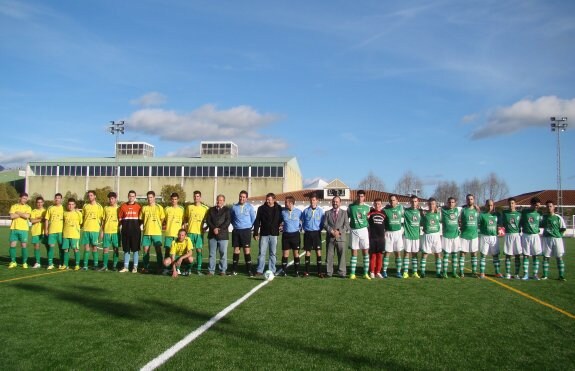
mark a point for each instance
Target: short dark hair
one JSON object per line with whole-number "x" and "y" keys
{"x": 451, "y": 198}
{"x": 511, "y": 199}
{"x": 23, "y": 194}
{"x": 71, "y": 200}
{"x": 39, "y": 198}
{"x": 290, "y": 199}
{"x": 91, "y": 191}
{"x": 58, "y": 194}
{"x": 361, "y": 192}
{"x": 151, "y": 193}
{"x": 174, "y": 194}
{"x": 132, "y": 191}
{"x": 272, "y": 195}
{"x": 244, "y": 192}
{"x": 112, "y": 194}
{"x": 197, "y": 193}
{"x": 413, "y": 196}
{"x": 535, "y": 200}
{"x": 378, "y": 200}
{"x": 549, "y": 202}
{"x": 431, "y": 199}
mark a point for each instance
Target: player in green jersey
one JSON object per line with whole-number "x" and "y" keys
{"x": 431, "y": 239}
{"x": 469, "y": 234}
{"x": 488, "y": 241}
{"x": 19, "y": 216}
{"x": 511, "y": 223}
{"x": 450, "y": 240}
{"x": 357, "y": 213}
{"x": 393, "y": 234}
{"x": 553, "y": 229}
{"x": 530, "y": 240}
{"x": 411, "y": 235}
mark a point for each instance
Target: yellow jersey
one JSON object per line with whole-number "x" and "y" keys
{"x": 55, "y": 218}
{"x": 38, "y": 228}
{"x": 181, "y": 248}
{"x": 72, "y": 223}
{"x": 93, "y": 216}
{"x": 20, "y": 224}
{"x": 195, "y": 217}
{"x": 174, "y": 220}
{"x": 152, "y": 218}
{"x": 111, "y": 219}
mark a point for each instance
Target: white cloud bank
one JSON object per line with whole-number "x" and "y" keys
{"x": 524, "y": 114}
{"x": 241, "y": 124}
{"x": 18, "y": 158}
{"x": 149, "y": 99}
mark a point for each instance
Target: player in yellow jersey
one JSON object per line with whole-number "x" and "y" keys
{"x": 111, "y": 237}
{"x": 181, "y": 251}
{"x": 93, "y": 216}
{"x": 195, "y": 221}
{"x": 71, "y": 234}
{"x": 53, "y": 225}
{"x": 20, "y": 215}
{"x": 173, "y": 222}
{"x": 152, "y": 216}
{"x": 37, "y": 220}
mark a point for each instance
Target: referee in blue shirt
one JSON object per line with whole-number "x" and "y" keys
{"x": 312, "y": 219}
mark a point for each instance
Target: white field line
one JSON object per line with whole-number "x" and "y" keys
{"x": 170, "y": 352}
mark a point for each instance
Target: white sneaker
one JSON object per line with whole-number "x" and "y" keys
{"x": 36, "y": 266}
{"x": 135, "y": 270}
{"x": 179, "y": 273}
{"x": 124, "y": 270}
{"x": 517, "y": 277}
{"x": 371, "y": 275}
{"x": 379, "y": 275}
{"x": 508, "y": 276}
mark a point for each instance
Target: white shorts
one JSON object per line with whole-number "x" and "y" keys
{"x": 431, "y": 243}
{"x": 411, "y": 246}
{"x": 359, "y": 239}
{"x": 512, "y": 244}
{"x": 531, "y": 244}
{"x": 394, "y": 241}
{"x": 553, "y": 247}
{"x": 469, "y": 245}
{"x": 488, "y": 245}
{"x": 451, "y": 245}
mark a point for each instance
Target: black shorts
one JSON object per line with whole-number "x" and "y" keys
{"x": 242, "y": 237}
{"x": 290, "y": 241}
{"x": 376, "y": 245}
{"x": 131, "y": 240}
{"x": 312, "y": 240}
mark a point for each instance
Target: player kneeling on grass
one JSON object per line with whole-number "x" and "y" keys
{"x": 181, "y": 251}
{"x": 553, "y": 229}
{"x": 488, "y": 241}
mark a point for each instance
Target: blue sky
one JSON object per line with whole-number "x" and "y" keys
{"x": 449, "y": 90}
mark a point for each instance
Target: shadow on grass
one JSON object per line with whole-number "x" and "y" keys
{"x": 141, "y": 310}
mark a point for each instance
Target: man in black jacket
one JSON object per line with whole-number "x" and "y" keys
{"x": 218, "y": 220}
{"x": 266, "y": 231}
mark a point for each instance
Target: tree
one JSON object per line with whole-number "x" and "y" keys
{"x": 409, "y": 183}
{"x": 168, "y": 189}
{"x": 67, "y": 196}
{"x": 446, "y": 189}
{"x": 101, "y": 195}
{"x": 8, "y": 192}
{"x": 371, "y": 182}
{"x": 475, "y": 187}
{"x": 495, "y": 188}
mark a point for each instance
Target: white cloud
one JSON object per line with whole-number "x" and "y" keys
{"x": 18, "y": 158}
{"x": 469, "y": 118}
{"x": 150, "y": 99}
{"x": 524, "y": 114}
{"x": 204, "y": 123}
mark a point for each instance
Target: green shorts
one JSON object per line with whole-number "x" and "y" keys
{"x": 55, "y": 238}
{"x": 70, "y": 243}
{"x": 90, "y": 238}
{"x": 155, "y": 241}
{"x": 40, "y": 239}
{"x": 17, "y": 235}
{"x": 168, "y": 242}
{"x": 111, "y": 240}
{"x": 197, "y": 240}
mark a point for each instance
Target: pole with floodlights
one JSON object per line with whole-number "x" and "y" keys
{"x": 116, "y": 128}
{"x": 559, "y": 125}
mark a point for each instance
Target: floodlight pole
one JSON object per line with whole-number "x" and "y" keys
{"x": 117, "y": 128}
{"x": 416, "y": 192}
{"x": 559, "y": 125}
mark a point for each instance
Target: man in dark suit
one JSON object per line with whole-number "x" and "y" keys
{"x": 336, "y": 226}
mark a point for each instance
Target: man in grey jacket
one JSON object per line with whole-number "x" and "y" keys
{"x": 336, "y": 226}
{"x": 218, "y": 220}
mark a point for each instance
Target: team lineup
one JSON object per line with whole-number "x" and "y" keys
{"x": 450, "y": 233}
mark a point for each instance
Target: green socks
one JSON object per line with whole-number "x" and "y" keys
{"x": 353, "y": 264}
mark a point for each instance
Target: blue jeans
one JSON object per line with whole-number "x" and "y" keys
{"x": 267, "y": 243}
{"x": 222, "y": 247}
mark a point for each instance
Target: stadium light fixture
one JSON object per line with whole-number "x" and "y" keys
{"x": 559, "y": 125}
{"x": 117, "y": 128}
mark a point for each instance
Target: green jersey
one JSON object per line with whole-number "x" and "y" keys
{"x": 553, "y": 226}
{"x": 357, "y": 215}
{"x": 393, "y": 218}
{"x": 511, "y": 221}
{"x": 530, "y": 221}
{"x": 488, "y": 224}
{"x": 431, "y": 222}
{"x": 450, "y": 222}
{"x": 469, "y": 222}
{"x": 411, "y": 223}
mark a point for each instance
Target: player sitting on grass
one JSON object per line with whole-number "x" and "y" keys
{"x": 181, "y": 251}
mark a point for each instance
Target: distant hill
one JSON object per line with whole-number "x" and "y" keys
{"x": 1, "y": 168}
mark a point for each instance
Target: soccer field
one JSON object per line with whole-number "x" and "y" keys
{"x": 106, "y": 320}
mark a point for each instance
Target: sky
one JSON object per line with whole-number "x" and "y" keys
{"x": 450, "y": 90}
